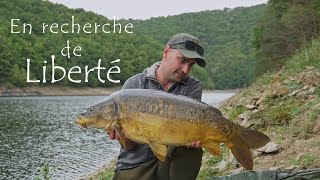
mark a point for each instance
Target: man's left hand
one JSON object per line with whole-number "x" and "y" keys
{"x": 196, "y": 144}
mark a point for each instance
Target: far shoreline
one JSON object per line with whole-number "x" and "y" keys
{"x": 34, "y": 91}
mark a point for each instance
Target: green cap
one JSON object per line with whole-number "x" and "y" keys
{"x": 178, "y": 42}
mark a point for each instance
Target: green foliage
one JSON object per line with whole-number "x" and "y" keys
{"x": 44, "y": 172}
{"x": 309, "y": 56}
{"x": 214, "y": 160}
{"x": 225, "y": 35}
{"x": 106, "y": 175}
{"x": 236, "y": 112}
{"x": 316, "y": 143}
{"x": 18, "y": 76}
{"x": 203, "y": 76}
{"x": 285, "y": 27}
{"x": 317, "y": 91}
{"x": 280, "y": 113}
{"x": 135, "y": 51}
{"x": 205, "y": 174}
{"x": 308, "y": 159}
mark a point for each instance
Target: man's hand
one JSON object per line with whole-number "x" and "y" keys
{"x": 124, "y": 141}
{"x": 196, "y": 144}
{"x": 113, "y": 135}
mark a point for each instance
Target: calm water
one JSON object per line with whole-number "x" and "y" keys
{"x": 39, "y": 130}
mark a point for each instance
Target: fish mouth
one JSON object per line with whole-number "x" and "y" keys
{"x": 81, "y": 122}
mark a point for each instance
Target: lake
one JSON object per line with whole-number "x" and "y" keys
{"x": 35, "y": 131}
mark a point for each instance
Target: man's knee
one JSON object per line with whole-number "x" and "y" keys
{"x": 146, "y": 171}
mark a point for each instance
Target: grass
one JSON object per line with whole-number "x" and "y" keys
{"x": 308, "y": 159}
{"x": 209, "y": 172}
{"x": 317, "y": 91}
{"x": 280, "y": 111}
{"x": 305, "y": 57}
{"x": 105, "y": 175}
{"x": 316, "y": 143}
{"x": 44, "y": 172}
{"x": 236, "y": 112}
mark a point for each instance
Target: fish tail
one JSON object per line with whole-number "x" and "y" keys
{"x": 245, "y": 140}
{"x": 242, "y": 153}
{"x": 252, "y": 138}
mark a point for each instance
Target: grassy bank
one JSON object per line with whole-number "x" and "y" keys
{"x": 284, "y": 105}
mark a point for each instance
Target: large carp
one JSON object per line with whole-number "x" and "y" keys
{"x": 158, "y": 119}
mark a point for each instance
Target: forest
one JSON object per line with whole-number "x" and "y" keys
{"x": 240, "y": 44}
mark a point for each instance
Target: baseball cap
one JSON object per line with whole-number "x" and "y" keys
{"x": 188, "y": 46}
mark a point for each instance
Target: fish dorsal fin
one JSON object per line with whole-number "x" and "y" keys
{"x": 159, "y": 150}
{"x": 212, "y": 148}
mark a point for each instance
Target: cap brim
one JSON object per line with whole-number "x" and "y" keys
{"x": 194, "y": 55}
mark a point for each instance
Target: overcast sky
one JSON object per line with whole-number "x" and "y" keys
{"x": 145, "y": 9}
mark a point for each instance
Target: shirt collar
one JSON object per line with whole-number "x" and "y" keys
{"x": 151, "y": 72}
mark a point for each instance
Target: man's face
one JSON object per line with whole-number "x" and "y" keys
{"x": 176, "y": 65}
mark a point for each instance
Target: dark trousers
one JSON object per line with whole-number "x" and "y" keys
{"x": 182, "y": 163}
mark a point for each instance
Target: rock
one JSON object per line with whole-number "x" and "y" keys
{"x": 271, "y": 147}
{"x": 251, "y": 107}
{"x": 299, "y": 157}
{"x": 305, "y": 87}
{"x": 247, "y": 123}
{"x": 255, "y": 111}
{"x": 279, "y": 92}
{"x": 236, "y": 171}
{"x": 293, "y": 167}
{"x": 316, "y": 107}
{"x": 312, "y": 90}
{"x": 255, "y": 99}
{"x": 261, "y": 99}
{"x": 274, "y": 168}
{"x": 244, "y": 116}
{"x": 310, "y": 97}
{"x": 294, "y": 92}
{"x": 310, "y": 68}
{"x": 232, "y": 160}
{"x": 223, "y": 165}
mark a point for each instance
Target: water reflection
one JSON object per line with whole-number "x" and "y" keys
{"x": 39, "y": 130}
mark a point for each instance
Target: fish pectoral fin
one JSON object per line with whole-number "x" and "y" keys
{"x": 212, "y": 148}
{"x": 123, "y": 140}
{"x": 159, "y": 150}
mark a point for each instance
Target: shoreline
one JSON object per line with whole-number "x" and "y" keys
{"x": 55, "y": 91}
{"x": 72, "y": 91}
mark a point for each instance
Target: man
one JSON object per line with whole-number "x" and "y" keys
{"x": 171, "y": 75}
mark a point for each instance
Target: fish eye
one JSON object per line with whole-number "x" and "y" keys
{"x": 91, "y": 109}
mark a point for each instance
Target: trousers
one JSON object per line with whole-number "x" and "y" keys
{"x": 181, "y": 163}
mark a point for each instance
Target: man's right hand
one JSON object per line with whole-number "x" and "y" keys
{"x": 113, "y": 135}
{"x": 125, "y": 142}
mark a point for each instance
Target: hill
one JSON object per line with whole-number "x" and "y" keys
{"x": 225, "y": 35}
{"x": 63, "y": 25}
